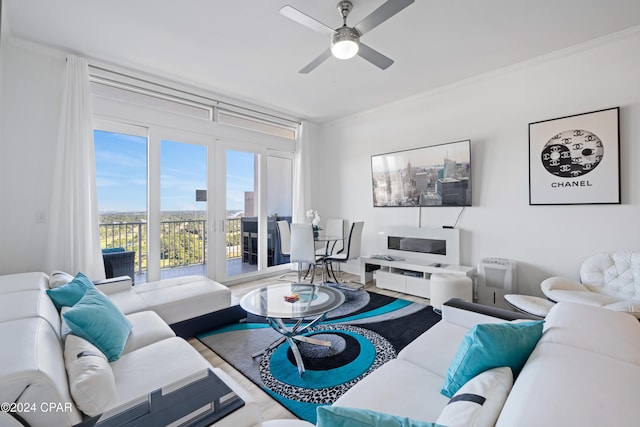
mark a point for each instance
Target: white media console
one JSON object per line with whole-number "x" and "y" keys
{"x": 416, "y": 253}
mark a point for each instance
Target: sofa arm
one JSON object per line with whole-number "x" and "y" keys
{"x": 469, "y": 314}
{"x": 201, "y": 399}
{"x": 116, "y": 284}
{"x": 552, "y": 284}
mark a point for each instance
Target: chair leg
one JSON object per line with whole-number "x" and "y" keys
{"x": 339, "y": 278}
{"x": 308, "y": 271}
{"x": 313, "y": 273}
{"x": 331, "y": 272}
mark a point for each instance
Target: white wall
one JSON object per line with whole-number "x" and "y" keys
{"x": 31, "y": 95}
{"x": 494, "y": 112}
{"x": 4, "y": 34}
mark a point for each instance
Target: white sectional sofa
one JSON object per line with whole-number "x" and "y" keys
{"x": 189, "y": 304}
{"x": 584, "y": 371}
{"x": 34, "y": 369}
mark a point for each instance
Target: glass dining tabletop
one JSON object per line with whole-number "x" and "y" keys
{"x": 271, "y": 301}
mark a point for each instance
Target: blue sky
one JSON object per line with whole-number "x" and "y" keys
{"x": 121, "y": 174}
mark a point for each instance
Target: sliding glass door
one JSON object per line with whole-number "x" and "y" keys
{"x": 255, "y": 192}
{"x": 241, "y": 200}
{"x": 121, "y": 184}
{"x": 186, "y": 204}
{"x": 183, "y": 209}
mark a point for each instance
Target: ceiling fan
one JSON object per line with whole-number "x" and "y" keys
{"x": 345, "y": 41}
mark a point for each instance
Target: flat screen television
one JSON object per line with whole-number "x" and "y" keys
{"x": 438, "y": 175}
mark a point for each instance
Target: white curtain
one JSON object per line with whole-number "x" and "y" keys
{"x": 74, "y": 236}
{"x": 301, "y": 176}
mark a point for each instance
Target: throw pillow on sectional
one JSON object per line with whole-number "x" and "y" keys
{"x": 96, "y": 319}
{"x": 59, "y": 278}
{"x": 341, "y": 416}
{"x": 479, "y": 402}
{"x": 488, "y": 346}
{"x": 70, "y": 293}
{"x": 91, "y": 381}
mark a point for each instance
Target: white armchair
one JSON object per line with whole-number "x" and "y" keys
{"x": 607, "y": 279}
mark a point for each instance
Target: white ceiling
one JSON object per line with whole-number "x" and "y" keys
{"x": 246, "y": 50}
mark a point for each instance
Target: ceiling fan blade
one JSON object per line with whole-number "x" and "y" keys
{"x": 373, "y": 56}
{"x": 381, "y": 14}
{"x": 306, "y": 20}
{"x": 313, "y": 64}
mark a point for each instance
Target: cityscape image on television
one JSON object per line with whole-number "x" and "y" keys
{"x": 438, "y": 175}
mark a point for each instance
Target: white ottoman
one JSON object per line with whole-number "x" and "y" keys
{"x": 445, "y": 286}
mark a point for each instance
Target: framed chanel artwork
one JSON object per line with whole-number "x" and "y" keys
{"x": 575, "y": 160}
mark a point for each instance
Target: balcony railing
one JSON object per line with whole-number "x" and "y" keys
{"x": 182, "y": 242}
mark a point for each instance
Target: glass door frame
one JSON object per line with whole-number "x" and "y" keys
{"x": 157, "y": 134}
{"x": 137, "y": 130}
{"x": 260, "y": 192}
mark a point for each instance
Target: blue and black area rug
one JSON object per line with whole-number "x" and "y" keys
{"x": 368, "y": 330}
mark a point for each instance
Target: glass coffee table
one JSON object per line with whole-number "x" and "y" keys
{"x": 307, "y": 304}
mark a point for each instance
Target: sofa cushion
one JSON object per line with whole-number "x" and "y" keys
{"x": 561, "y": 385}
{"x": 127, "y": 301}
{"x": 155, "y": 366}
{"x": 488, "y": 346}
{"x": 478, "y": 403}
{"x": 610, "y": 333}
{"x": 444, "y": 336}
{"x": 91, "y": 380}
{"x": 338, "y": 416}
{"x": 183, "y": 298}
{"x": 31, "y": 303}
{"x": 97, "y": 320}
{"x": 70, "y": 293}
{"x": 23, "y": 282}
{"x": 398, "y": 388}
{"x": 146, "y": 328}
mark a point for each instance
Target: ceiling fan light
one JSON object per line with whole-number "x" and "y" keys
{"x": 345, "y": 49}
{"x": 345, "y": 43}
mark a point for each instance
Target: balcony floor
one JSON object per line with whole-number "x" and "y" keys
{"x": 235, "y": 266}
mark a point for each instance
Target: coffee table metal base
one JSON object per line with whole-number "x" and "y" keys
{"x": 291, "y": 334}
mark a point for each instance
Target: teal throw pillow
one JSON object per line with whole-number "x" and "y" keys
{"x": 340, "y": 416}
{"x": 70, "y": 293}
{"x": 96, "y": 319}
{"x": 488, "y": 346}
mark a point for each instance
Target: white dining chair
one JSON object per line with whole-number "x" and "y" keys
{"x": 284, "y": 234}
{"x": 303, "y": 250}
{"x": 284, "y": 237}
{"x": 335, "y": 227}
{"x": 354, "y": 244}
